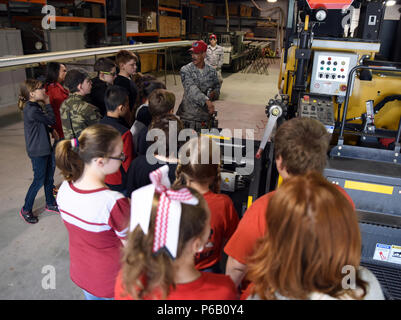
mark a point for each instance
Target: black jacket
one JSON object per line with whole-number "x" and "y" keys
{"x": 138, "y": 172}
{"x": 36, "y": 129}
{"x": 98, "y": 91}
{"x": 130, "y": 86}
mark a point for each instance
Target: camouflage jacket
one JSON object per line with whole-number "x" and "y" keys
{"x": 197, "y": 84}
{"x": 77, "y": 112}
{"x": 215, "y": 56}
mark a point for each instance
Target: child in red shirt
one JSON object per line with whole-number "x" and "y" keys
{"x": 205, "y": 178}
{"x": 168, "y": 227}
{"x": 116, "y": 101}
{"x": 300, "y": 146}
{"x": 57, "y": 93}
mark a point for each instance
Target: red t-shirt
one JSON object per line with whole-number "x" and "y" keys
{"x": 116, "y": 178}
{"x": 252, "y": 227}
{"x": 209, "y": 286}
{"x": 96, "y": 221}
{"x": 223, "y": 222}
{"x": 57, "y": 94}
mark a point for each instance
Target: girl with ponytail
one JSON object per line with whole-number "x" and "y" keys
{"x": 199, "y": 168}
{"x": 168, "y": 226}
{"x": 37, "y": 126}
{"x": 96, "y": 217}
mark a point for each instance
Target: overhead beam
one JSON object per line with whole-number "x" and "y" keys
{"x": 16, "y": 62}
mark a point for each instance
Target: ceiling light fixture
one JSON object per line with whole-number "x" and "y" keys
{"x": 390, "y": 3}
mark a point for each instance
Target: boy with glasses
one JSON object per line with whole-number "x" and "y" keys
{"x": 106, "y": 73}
{"x": 116, "y": 100}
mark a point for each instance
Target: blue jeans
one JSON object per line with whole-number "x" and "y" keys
{"x": 43, "y": 173}
{"x": 89, "y": 296}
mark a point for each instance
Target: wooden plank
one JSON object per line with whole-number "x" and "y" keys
{"x": 103, "y": 2}
{"x": 80, "y": 19}
{"x": 170, "y": 3}
{"x": 170, "y": 9}
{"x": 27, "y": 1}
{"x": 143, "y": 34}
{"x": 194, "y": 3}
{"x": 169, "y": 39}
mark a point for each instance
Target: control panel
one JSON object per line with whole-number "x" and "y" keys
{"x": 318, "y": 107}
{"x": 330, "y": 72}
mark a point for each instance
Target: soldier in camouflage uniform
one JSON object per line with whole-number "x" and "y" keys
{"x": 77, "y": 114}
{"x": 215, "y": 56}
{"x": 201, "y": 87}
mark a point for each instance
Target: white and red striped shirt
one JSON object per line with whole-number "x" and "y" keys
{"x": 96, "y": 221}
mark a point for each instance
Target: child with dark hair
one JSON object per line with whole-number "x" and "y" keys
{"x": 55, "y": 76}
{"x": 204, "y": 177}
{"x": 161, "y": 101}
{"x": 158, "y": 261}
{"x": 76, "y": 113}
{"x": 116, "y": 99}
{"x": 143, "y": 118}
{"x": 96, "y": 217}
{"x": 37, "y": 125}
{"x": 138, "y": 173}
{"x": 106, "y": 73}
{"x": 127, "y": 64}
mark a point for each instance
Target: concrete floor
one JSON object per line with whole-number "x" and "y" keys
{"x": 31, "y": 254}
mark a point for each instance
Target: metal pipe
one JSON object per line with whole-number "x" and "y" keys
{"x": 227, "y": 17}
{"x": 20, "y": 61}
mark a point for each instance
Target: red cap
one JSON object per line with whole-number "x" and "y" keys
{"x": 213, "y": 36}
{"x": 198, "y": 47}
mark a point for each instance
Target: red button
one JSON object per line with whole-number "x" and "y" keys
{"x": 343, "y": 87}
{"x": 342, "y": 70}
{"x": 329, "y": 58}
{"x": 306, "y": 98}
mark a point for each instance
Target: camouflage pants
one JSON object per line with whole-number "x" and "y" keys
{"x": 219, "y": 76}
{"x": 195, "y": 125}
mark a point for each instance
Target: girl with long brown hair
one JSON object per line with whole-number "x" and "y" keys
{"x": 168, "y": 227}
{"x": 204, "y": 177}
{"x": 96, "y": 217}
{"x": 312, "y": 246}
{"x": 37, "y": 125}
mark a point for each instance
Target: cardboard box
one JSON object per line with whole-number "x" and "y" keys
{"x": 245, "y": 11}
{"x": 132, "y": 27}
{"x": 148, "y": 62}
{"x": 96, "y": 10}
{"x": 169, "y": 3}
{"x": 150, "y": 19}
{"x": 233, "y": 9}
{"x": 169, "y": 26}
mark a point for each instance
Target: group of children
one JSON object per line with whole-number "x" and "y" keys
{"x": 139, "y": 230}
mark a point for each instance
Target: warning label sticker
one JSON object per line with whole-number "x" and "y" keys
{"x": 395, "y": 254}
{"x": 382, "y": 252}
